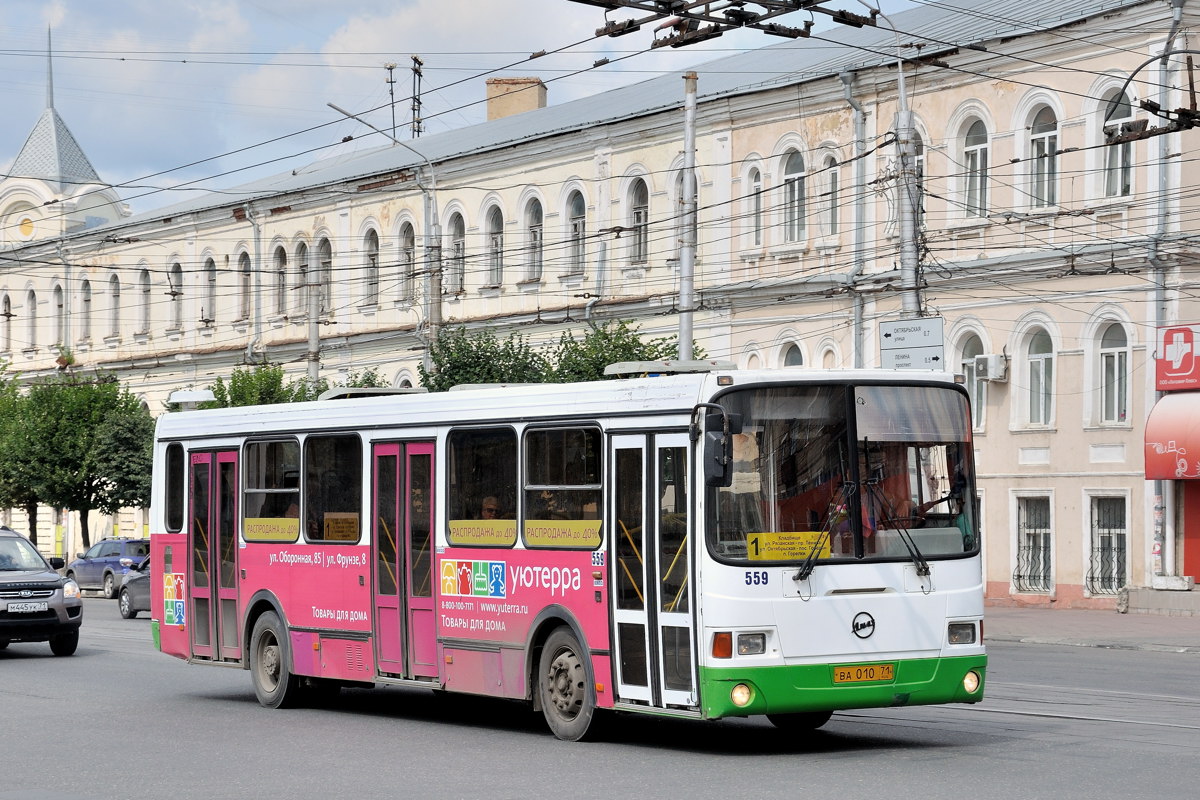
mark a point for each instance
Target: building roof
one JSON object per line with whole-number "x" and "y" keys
{"x": 51, "y": 154}
{"x": 941, "y": 27}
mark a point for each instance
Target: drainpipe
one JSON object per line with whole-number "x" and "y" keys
{"x": 860, "y": 168}
{"x": 1164, "y": 491}
{"x": 257, "y": 338}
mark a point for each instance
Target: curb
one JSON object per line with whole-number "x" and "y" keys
{"x": 1148, "y": 647}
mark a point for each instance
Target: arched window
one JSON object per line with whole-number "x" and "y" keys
{"x": 114, "y": 306}
{"x": 1040, "y": 362}
{"x": 303, "y": 279}
{"x": 208, "y": 311}
{"x": 31, "y": 318}
{"x": 976, "y": 387}
{"x": 175, "y": 290}
{"x": 371, "y": 278}
{"x": 85, "y": 313}
{"x": 325, "y": 275}
{"x": 245, "y": 290}
{"x": 533, "y": 239}
{"x": 577, "y": 232}
{"x": 58, "y": 321}
{"x": 755, "y": 205}
{"x": 458, "y": 253}
{"x": 793, "y": 197}
{"x": 495, "y": 246}
{"x": 144, "y": 302}
{"x": 975, "y": 163}
{"x": 408, "y": 260}
{"x": 1114, "y": 374}
{"x": 1043, "y": 154}
{"x": 792, "y": 356}
{"x": 639, "y": 218}
{"x": 281, "y": 266}
{"x": 831, "y": 179}
{"x": 1118, "y": 158}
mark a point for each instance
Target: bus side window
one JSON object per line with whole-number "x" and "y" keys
{"x": 175, "y": 487}
{"x": 333, "y": 488}
{"x": 482, "y": 465}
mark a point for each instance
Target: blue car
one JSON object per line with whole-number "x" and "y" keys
{"x": 106, "y": 563}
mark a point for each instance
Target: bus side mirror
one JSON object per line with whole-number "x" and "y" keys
{"x": 717, "y": 451}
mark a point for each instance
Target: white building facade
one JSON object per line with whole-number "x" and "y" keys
{"x": 1054, "y": 241}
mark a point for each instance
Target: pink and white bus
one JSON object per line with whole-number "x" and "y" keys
{"x": 782, "y": 543}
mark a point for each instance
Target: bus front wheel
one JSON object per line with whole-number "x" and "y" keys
{"x": 568, "y": 700}
{"x": 274, "y": 684}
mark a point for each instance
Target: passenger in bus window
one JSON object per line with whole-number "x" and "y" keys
{"x": 490, "y": 508}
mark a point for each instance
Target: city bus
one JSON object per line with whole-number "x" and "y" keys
{"x": 702, "y": 543}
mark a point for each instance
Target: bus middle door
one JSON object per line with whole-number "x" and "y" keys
{"x": 651, "y": 565}
{"x": 405, "y": 627}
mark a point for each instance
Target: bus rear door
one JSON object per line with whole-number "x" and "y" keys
{"x": 213, "y": 546}
{"x": 651, "y": 561}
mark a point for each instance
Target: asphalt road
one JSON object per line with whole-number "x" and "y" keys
{"x": 120, "y": 720}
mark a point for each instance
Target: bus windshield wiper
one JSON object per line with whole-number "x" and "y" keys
{"x": 906, "y": 536}
{"x": 810, "y": 561}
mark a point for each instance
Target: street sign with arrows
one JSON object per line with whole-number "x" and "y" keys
{"x": 912, "y": 344}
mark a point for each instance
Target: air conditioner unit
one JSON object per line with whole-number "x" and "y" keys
{"x": 991, "y": 367}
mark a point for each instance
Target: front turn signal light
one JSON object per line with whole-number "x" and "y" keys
{"x": 722, "y": 645}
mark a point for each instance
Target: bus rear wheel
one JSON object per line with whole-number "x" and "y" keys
{"x": 274, "y": 684}
{"x": 800, "y": 721}
{"x": 567, "y": 698}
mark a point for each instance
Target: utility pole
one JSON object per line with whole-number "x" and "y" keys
{"x": 417, "y": 124}
{"x": 391, "y": 82}
{"x": 687, "y": 249}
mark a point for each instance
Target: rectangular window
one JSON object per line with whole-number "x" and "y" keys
{"x": 977, "y": 177}
{"x": 482, "y": 496}
{"x": 1045, "y": 171}
{"x": 333, "y": 488}
{"x": 175, "y": 487}
{"x": 272, "y": 494}
{"x": 1033, "y": 545}
{"x": 562, "y": 488}
{"x": 1041, "y": 381}
{"x": 1106, "y": 563}
{"x": 1114, "y": 389}
{"x": 1118, "y": 167}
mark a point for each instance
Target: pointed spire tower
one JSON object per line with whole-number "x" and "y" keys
{"x": 51, "y": 153}
{"x": 52, "y": 188}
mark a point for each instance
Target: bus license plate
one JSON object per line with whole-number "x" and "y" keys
{"x": 863, "y": 673}
{"x": 27, "y": 608}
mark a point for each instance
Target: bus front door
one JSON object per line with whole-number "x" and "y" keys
{"x": 213, "y": 545}
{"x": 651, "y": 565}
{"x": 405, "y": 634}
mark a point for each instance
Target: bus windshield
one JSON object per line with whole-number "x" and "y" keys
{"x": 841, "y": 472}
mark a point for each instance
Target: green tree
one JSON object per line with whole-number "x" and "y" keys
{"x": 79, "y": 428}
{"x": 584, "y": 359}
{"x": 262, "y": 384}
{"x": 16, "y": 472}
{"x": 459, "y": 357}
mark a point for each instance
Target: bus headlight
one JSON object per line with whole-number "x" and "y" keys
{"x": 751, "y": 644}
{"x": 741, "y": 695}
{"x": 961, "y": 633}
{"x": 971, "y": 682}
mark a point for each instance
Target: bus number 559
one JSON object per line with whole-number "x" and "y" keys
{"x": 756, "y": 578}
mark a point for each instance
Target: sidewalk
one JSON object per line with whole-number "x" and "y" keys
{"x": 1092, "y": 629}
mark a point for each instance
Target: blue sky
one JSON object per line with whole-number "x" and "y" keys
{"x": 151, "y": 87}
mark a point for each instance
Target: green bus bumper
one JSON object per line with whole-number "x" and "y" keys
{"x": 155, "y": 634}
{"x": 789, "y": 689}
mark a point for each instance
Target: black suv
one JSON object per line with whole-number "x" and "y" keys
{"x": 106, "y": 563}
{"x": 36, "y": 603}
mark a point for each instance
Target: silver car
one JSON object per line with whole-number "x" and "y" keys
{"x": 36, "y": 603}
